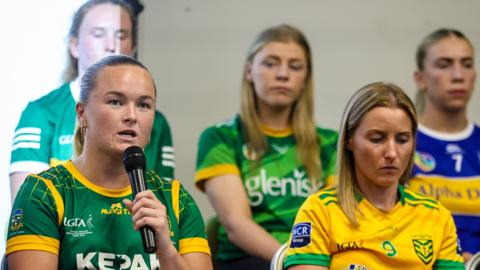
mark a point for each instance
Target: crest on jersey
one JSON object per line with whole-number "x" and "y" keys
{"x": 17, "y": 220}
{"x": 423, "y": 249}
{"x": 424, "y": 161}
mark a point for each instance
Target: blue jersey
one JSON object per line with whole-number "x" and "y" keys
{"x": 447, "y": 168}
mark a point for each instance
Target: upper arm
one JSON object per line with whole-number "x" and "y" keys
{"x": 449, "y": 255}
{"x": 192, "y": 236}
{"x": 197, "y": 260}
{"x": 36, "y": 214}
{"x": 32, "y": 259}
{"x": 31, "y": 141}
{"x": 310, "y": 239}
{"x": 16, "y": 180}
{"x": 228, "y": 197}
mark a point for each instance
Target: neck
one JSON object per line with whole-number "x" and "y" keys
{"x": 383, "y": 198}
{"x": 275, "y": 118}
{"x": 444, "y": 121}
{"x": 102, "y": 170}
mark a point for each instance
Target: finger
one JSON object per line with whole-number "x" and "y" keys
{"x": 128, "y": 204}
{"x": 145, "y": 194}
{"x": 157, "y": 224}
{"x": 146, "y": 202}
{"x": 149, "y": 212}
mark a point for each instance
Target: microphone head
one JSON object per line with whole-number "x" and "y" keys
{"x": 133, "y": 158}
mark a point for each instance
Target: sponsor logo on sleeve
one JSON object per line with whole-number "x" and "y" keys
{"x": 301, "y": 235}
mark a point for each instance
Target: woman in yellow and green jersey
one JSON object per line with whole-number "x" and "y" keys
{"x": 370, "y": 221}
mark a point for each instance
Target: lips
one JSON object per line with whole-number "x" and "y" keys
{"x": 128, "y": 133}
{"x": 457, "y": 92}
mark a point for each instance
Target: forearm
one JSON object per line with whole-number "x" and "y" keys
{"x": 170, "y": 259}
{"x": 252, "y": 238}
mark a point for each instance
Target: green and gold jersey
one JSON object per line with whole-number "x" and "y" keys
{"x": 89, "y": 227}
{"x": 276, "y": 185}
{"x": 418, "y": 233}
{"x": 44, "y": 136}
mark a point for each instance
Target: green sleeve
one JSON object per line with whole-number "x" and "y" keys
{"x": 160, "y": 152}
{"x": 36, "y": 217}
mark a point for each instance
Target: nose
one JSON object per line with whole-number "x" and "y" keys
{"x": 130, "y": 115}
{"x": 458, "y": 72}
{"x": 282, "y": 72}
{"x": 390, "y": 150}
{"x": 111, "y": 45}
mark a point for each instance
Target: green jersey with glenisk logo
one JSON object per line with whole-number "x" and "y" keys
{"x": 89, "y": 227}
{"x": 276, "y": 185}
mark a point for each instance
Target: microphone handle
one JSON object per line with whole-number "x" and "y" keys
{"x": 138, "y": 183}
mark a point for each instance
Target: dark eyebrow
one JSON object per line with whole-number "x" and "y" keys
{"x": 120, "y": 94}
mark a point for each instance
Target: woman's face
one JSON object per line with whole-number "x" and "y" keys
{"x": 278, "y": 73}
{"x": 120, "y": 110}
{"x": 381, "y": 146}
{"x": 448, "y": 75}
{"x": 106, "y": 29}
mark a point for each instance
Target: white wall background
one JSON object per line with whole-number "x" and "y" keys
{"x": 32, "y": 44}
{"x": 196, "y": 49}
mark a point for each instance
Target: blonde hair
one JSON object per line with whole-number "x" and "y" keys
{"x": 378, "y": 94}
{"x": 421, "y": 54}
{"x": 302, "y": 120}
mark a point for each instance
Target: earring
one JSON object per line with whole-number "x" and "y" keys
{"x": 83, "y": 130}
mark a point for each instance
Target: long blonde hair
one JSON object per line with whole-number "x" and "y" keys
{"x": 378, "y": 94}
{"x": 421, "y": 54}
{"x": 302, "y": 120}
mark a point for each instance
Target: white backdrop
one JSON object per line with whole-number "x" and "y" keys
{"x": 33, "y": 47}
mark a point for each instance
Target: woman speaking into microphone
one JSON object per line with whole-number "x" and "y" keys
{"x": 79, "y": 215}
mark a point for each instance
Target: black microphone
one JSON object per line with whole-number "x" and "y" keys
{"x": 135, "y": 164}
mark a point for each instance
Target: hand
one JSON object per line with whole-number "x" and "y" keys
{"x": 147, "y": 210}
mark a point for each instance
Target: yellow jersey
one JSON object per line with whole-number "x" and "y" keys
{"x": 418, "y": 233}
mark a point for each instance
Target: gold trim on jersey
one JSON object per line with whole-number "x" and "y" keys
{"x": 54, "y": 162}
{"x": 175, "y": 200}
{"x": 216, "y": 170}
{"x": 56, "y": 197}
{"x": 116, "y": 193}
{"x": 33, "y": 242}
{"x": 278, "y": 133}
{"x": 194, "y": 244}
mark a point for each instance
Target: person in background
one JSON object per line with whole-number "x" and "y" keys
{"x": 371, "y": 221}
{"x": 44, "y": 134}
{"x": 259, "y": 166}
{"x": 79, "y": 214}
{"x": 447, "y": 159}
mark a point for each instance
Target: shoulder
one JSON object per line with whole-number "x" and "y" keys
{"x": 160, "y": 117}
{"x": 414, "y": 199}
{"x": 229, "y": 128}
{"x": 327, "y": 135}
{"x": 326, "y": 196}
{"x": 55, "y": 96}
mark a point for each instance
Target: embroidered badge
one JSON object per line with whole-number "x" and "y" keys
{"x": 423, "y": 249}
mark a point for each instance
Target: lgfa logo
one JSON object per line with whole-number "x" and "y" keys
{"x": 78, "y": 222}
